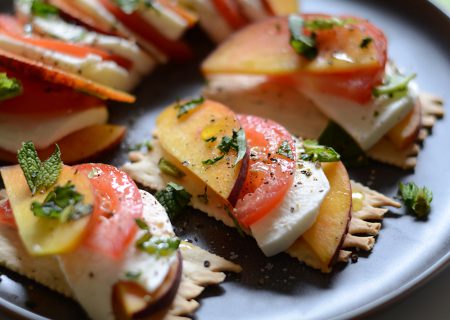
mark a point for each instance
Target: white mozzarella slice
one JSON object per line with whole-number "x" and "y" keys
{"x": 210, "y": 19}
{"x": 45, "y": 129}
{"x": 253, "y": 9}
{"x": 92, "y": 276}
{"x": 57, "y": 28}
{"x": 168, "y": 23}
{"x": 99, "y": 13}
{"x": 91, "y": 67}
{"x": 279, "y": 229}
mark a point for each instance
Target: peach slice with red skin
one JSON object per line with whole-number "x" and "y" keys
{"x": 184, "y": 139}
{"x": 407, "y": 130}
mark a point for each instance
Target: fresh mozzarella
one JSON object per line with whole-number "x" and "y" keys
{"x": 368, "y": 123}
{"x": 57, "y": 28}
{"x": 253, "y": 9}
{"x": 45, "y": 129}
{"x": 168, "y": 23}
{"x": 83, "y": 268}
{"x": 210, "y": 19}
{"x": 279, "y": 229}
{"x": 99, "y": 13}
{"x": 91, "y": 67}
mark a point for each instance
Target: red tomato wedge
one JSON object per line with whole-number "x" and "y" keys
{"x": 118, "y": 204}
{"x": 270, "y": 174}
{"x": 6, "y": 214}
{"x": 229, "y": 10}
{"x": 342, "y": 67}
{"x": 14, "y": 28}
{"x": 176, "y": 50}
{"x": 44, "y": 97}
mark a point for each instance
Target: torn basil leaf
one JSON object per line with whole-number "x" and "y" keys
{"x": 301, "y": 43}
{"x": 186, "y": 107}
{"x": 313, "y": 151}
{"x": 394, "y": 84}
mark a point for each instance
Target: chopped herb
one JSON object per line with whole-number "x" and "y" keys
{"x": 397, "y": 83}
{"x": 64, "y": 203}
{"x": 133, "y": 275}
{"x": 174, "y": 199}
{"x": 41, "y": 9}
{"x": 302, "y": 44}
{"x": 129, "y": 6}
{"x": 170, "y": 169}
{"x": 315, "y": 152}
{"x": 285, "y": 150}
{"x": 186, "y": 107}
{"x": 213, "y": 160}
{"x": 417, "y": 200}
{"x": 204, "y": 197}
{"x": 9, "y": 87}
{"x": 141, "y": 224}
{"x": 326, "y": 23}
{"x": 159, "y": 246}
{"x": 365, "y": 42}
{"x": 211, "y": 139}
{"x": 39, "y": 175}
{"x": 235, "y": 222}
{"x": 146, "y": 144}
{"x": 237, "y": 142}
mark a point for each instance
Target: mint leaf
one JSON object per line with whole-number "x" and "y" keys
{"x": 237, "y": 142}
{"x": 42, "y": 9}
{"x": 394, "y": 84}
{"x": 302, "y": 44}
{"x": 186, "y": 107}
{"x": 212, "y": 161}
{"x": 285, "y": 150}
{"x": 312, "y": 151}
{"x": 417, "y": 200}
{"x": 63, "y": 203}
{"x": 170, "y": 169}
{"x": 9, "y": 87}
{"x": 174, "y": 199}
{"x": 39, "y": 175}
{"x": 159, "y": 246}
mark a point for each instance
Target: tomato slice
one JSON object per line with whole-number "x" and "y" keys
{"x": 6, "y": 214}
{"x": 45, "y": 98}
{"x": 118, "y": 204}
{"x": 14, "y": 28}
{"x": 229, "y": 10}
{"x": 270, "y": 174}
{"x": 135, "y": 22}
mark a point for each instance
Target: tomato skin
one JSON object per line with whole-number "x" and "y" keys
{"x": 270, "y": 174}
{"x": 230, "y": 12}
{"x": 118, "y": 205}
{"x": 135, "y": 22}
{"x": 6, "y": 214}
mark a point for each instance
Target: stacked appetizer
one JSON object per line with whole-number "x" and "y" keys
{"x": 250, "y": 173}
{"x": 88, "y": 232}
{"x": 340, "y": 64}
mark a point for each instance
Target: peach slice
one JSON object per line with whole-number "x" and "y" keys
{"x": 131, "y": 301}
{"x": 281, "y": 8}
{"x": 84, "y": 144}
{"x": 327, "y": 233}
{"x": 193, "y": 138}
{"x": 407, "y": 130}
{"x": 42, "y": 236}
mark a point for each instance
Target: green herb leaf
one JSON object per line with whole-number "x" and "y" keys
{"x": 9, "y": 87}
{"x": 235, "y": 222}
{"x": 213, "y": 160}
{"x": 146, "y": 144}
{"x": 39, "y": 175}
{"x": 302, "y": 44}
{"x": 395, "y": 84}
{"x": 186, "y": 107}
{"x": 41, "y": 9}
{"x": 170, "y": 169}
{"x": 174, "y": 199}
{"x": 337, "y": 138}
{"x": 236, "y": 142}
{"x": 133, "y": 275}
{"x": 315, "y": 152}
{"x": 159, "y": 246}
{"x": 365, "y": 42}
{"x": 129, "y": 6}
{"x": 211, "y": 139}
{"x": 285, "y": 150}
{"x": 326, "y": 23}
{"x": 141, "y": 224}
{"x": 63, "y": 203}
{"x": 417, "y": 200}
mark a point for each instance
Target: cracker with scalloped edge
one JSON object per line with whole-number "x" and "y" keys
{"x": 200, "y": 269}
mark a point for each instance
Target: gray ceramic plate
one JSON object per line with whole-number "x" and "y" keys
{"x": 407, "y": 252}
